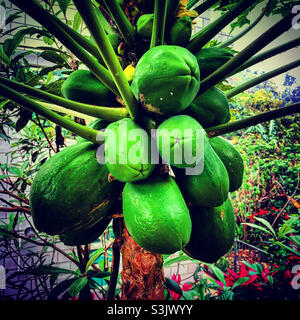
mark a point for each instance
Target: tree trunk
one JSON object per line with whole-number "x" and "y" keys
{"x": 142, "y": 274}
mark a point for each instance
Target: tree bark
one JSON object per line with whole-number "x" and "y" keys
{"x": 142, "y": 274}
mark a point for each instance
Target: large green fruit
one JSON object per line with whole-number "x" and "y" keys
{"x": 128, "y": 151}
{"x": 212, "y": 232}
{"x": 180, "y": 32}
{"x": 211, "y": 187}
{"x": 85, "y": 236}
{"x": 232, "y": 160}
{"x": 156, "y": 215}
{"x": 179, "y": 140}
{"x": 83, "y": 86}
{"x": 71, "y": 191}
{"x": 144, "y": 25}
{"x": 98, "y": 124}
{"x": 211, "y": 108}
{"x": 166, "y": 79}
{"x": 212, "y": 58}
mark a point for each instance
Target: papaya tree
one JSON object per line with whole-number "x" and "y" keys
{"x": 144, "y": 70}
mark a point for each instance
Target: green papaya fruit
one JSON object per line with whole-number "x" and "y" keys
{"x": 232, "y": 160}
{"x": 83, "y": 86}
{"x": 71, "y": 191}
{"x": 178, "y": 141}
{"x": 127, "y": 155}
{"x": 212, "y": 58}
{"x": 211, "y": 108}
{"x": 180, "y": 32}
{"x": 144, "y": 25}
{"x": 166, "y": 79}
{"x": 85, "y": 236}
{"x": 212, "y": 232}
{"x": 156, "y": 215}
{"x": 98, "y": 124}
{"x": 211, "y": 187}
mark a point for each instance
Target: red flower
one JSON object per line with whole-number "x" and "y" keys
{"x": 185, "y": 287}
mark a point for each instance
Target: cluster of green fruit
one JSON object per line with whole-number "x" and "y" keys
{"x": 74, "y": 197}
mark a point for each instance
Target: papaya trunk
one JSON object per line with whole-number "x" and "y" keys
{"x": 142, "y": 274}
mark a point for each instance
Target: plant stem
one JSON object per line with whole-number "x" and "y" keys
{"x": 191, "y": 3}
{"x": 159, "y": 23}
{"x": 246, "y": 30}
{"x": 252, "y": 121}
{"x": 125, "y": 27}
{"x": 85, "y": 132}
{"x": 205, "y": 35}
{"x": 171, "y": 10}
{"x": 282, "y": 26}
{"x": 106, "y": 113}
{"x": 115, "y": 270}
{"x": 253, "y": 82}
{"x": 91, "y": 19}
{"x": 205, "y": 6}
{"x": 38, "y": 13}
{"x": 267, "y": 54}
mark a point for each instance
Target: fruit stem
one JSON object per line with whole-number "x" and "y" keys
{"x": 85, "y": 132}
{"x": 275, "y": 31}
{"x": 105, "y": 113}
{"x": 252, "y": 121}
{"x": 206, "y": 34}
{"x": 89, "y": 15}
{"x": 266, "y": 76}
{"x": 246, "y": 30}
{"x": 41, "y": 16}
{"x": 267, "y": 54}
{"x": 125, "y": 27}
{"x": 159, "y": 23}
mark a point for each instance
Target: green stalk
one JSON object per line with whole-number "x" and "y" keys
{"x": 253, "y": 82}
{"x": 249, "y": 28}
{"x": 222, "y": 73}
{"x": 267, "y": 54}
{"x": 205, "y": 6}
{"x": 159, "y": 23}
{"x": 85, "y": 132}
{"x": 38, "y": 13}
{"x": 191, "y": 3}
{"x": 106, "y": 113}
{"x": 91, "y": 19}
{"x": 252, "y": 121}
{"x": 125, "y": 27}
{"x": 172, "y": 6}
{"x": 205, "y": 35}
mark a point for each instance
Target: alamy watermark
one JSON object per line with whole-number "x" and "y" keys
{"x": 296, "y": 19}
{"x": 135, "y": 147}
{"x": 296, "y": 278}
{"x": 2, "y": 278}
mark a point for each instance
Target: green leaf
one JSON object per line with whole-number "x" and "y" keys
{"x": 60, "y": 288}
{"x": 94, "y": 257}
{"x": 180, "y": 258}
{"x": 77, "y": 21}
{"x": 14, "y": 171}
{"x": 267, "y": 224}
{"x": 53, "y": 57}
{"x": 63, "y": 4}
{"x": 217, "y": 272}
{"x": 287, "y": 248}
{"x": 257, "y": 227}
{"x": 3, "y": 57}
{"x": 10, "y": 45}
{"x": 44, "y": 269}
{"x": 173, "y": 286}
{"x": 4, "y": 176}
{"x": 24, "y": 166}
{"x": 240, "y": 281}
{"x": 77, "y": 286}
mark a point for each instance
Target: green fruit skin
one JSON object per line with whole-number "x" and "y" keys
{"x": 71, "y": 191}
{"x": 232, "y": 160}
{"x": 97, "y": 124}
{"x": 123, "y": 169}
{"x": 85, "y": 236}
{"x": 83, "y": 86}
{"x": 182, "y": 142}
{"x": 212, "y": 58}
{"x": 211, "y": 108}
{"x": 156, "y": 215}
{"x": 144, "y": 25}
{"x": 180, "y": 32}
{"x": 166, "y": 80}
{"x": 211, "y": 187}
{"x": 212, "y": 232}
